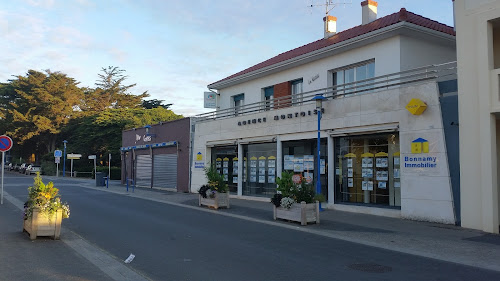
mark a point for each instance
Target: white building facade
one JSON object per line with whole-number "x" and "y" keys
{"x": 478, "y": 47}
{"x": 375, "y": 155}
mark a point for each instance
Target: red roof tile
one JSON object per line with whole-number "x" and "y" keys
{"x": 356, "y": 31}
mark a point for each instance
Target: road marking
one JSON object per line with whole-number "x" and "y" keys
{"x": 97, "y": 256}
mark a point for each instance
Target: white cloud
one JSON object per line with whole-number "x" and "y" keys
{"x": 41, "y": 3}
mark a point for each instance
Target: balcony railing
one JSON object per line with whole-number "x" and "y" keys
{"x": 438, "y": 72}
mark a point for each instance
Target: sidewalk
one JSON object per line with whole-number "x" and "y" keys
{"x": 439, "y": 241}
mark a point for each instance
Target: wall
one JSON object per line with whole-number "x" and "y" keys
{"x": 178, "y": 130}
{"x": 426, "y": 193}
{"x": 478, "y": 155}
{"x": 417, "y": 52}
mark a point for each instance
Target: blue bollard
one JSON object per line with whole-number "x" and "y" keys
{"x": 107, "y": 182}
{"x": 126, "y": 179}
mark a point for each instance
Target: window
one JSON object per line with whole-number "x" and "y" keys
{"x": 350, "y": 74}
{"x": 268, "y": 97}
{"x": 297, "y": 91}
{"x": 238, "y": 103}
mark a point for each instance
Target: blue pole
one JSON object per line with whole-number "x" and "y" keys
{"x": 64, "y": 158}
{"x": 126, "y": 179}
{"x": 318, "y": 174}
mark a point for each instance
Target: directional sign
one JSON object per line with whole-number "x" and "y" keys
{"x": 92, "y": 157}
{"x": 5, "y": 143}
{"x": 74, "y": 156}
{"x": 57, "y": 153}
{"x": 58, "y": 160}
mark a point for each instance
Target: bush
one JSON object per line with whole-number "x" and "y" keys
{"x": 292, "y": 191}
{"x": 116, "y": 172}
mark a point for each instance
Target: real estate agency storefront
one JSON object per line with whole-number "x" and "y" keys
{"x": 368, "y": 158}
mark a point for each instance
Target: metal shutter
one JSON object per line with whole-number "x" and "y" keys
{"x": 143, "y": 171}
{"x": 165, "y": 170}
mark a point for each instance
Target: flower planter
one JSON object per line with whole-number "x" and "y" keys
{"x": 303, "y": 213}
{"x": 220, "y": 200}
{"x": 40, "y": 225}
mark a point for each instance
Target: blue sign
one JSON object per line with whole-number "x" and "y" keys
{"x": 57, "y": 153}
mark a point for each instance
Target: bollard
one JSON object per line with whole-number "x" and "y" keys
{"x": 126, "y": 179}
{"x": 107, "y": 182}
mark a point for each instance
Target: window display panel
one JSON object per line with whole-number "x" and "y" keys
{"x": 223, "y": 158}
{"x": 367, "y": 171}
{"x": 300, "y": 158}
{"x": 261, "y": 169}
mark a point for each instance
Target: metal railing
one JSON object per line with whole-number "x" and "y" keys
{"x": 438, "y": 72}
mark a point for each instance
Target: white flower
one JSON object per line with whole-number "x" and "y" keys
{"x": 287, "y": 202}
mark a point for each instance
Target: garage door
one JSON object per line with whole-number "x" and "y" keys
{"x": 165, "y": 170}
{"x": 143, "y": 166}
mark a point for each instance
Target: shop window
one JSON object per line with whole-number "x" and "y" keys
{"x": 351, "y": 74}
{"x": 300, "y": 157}
{"x": 367, "y": 170}
{"x": 225, "y": 159}
{"x": 259, "y": 169}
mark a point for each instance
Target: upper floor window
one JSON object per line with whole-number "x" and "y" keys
{"x": 268, "y": 97}
{"x": 297, "y": 91}
{"x": 238, "y": 102}
{"x": 351, "y": 74}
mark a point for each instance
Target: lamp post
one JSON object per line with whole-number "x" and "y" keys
{"x": 319, "y": 102}
{"x": 64, "y": 158}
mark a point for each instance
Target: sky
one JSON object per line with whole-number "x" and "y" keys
{"x": 171, "y": 48}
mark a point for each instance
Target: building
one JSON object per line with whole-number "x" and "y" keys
{"x": 157, "y": 156}
{"x": 387, "y": 139}
{"x": 478, "y": 47}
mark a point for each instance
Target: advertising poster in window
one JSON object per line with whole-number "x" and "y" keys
{"x": 322, "y": 164}
{"x": 253, "y": 162}
{"x": 262, "y": 179}
{"x": 309, "y": 177}
{"x": 253, "y": 178}
{"x": 382, "y": 184}
{"x": 271, "y": 161}
{"x": 397, "y": 184}
{"x": 235, "y": 166}
{"x": 367, "y": 173}
{"x": 381, "y": 162}
{"x": 225, "y": 177}
{"x": 370, "y": 185}
{"x": 382, "y": 176}
{"x": 225, "y": 171}
{"x": 364, "y": 185}
{"x": 308, "y": 161}
{"x": 218, "y": 163}
{"x": 349, "y": 162}
{"x": 262, "y": 161}
{"x": 271, "y": 171}
{"x": 298, "y": 164}
{"x": 288, "y": 165}
{"x": 396, "y": 173}
{"x": 271, "y": 179}
{"x": 396, "y": 161}
{"x": 225, "y": 163}
{"x": 262, "y": 171}
{"x": 235, "y": 179}
{"x": 350, "y": 182}
{"x": 367, "y": 162}
{"x": 350, "y": 173}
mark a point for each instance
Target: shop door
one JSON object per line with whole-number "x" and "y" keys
{"x": 143, "y": 165}
{"x": 165, "y": 170}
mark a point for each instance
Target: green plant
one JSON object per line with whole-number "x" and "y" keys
{"x": 296, "y": 192}
{"x": 45, "y": 198}
{"x": 215, "y": 179}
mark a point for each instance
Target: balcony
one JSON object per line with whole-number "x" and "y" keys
{"x": 438, "y": 72}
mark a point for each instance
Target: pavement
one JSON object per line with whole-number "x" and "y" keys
{"x": 432, "y": 240}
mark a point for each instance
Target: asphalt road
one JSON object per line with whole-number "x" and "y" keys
{"x": 175, "y": 243}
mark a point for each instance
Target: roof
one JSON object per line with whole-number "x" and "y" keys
{"x": 401, "y": 16}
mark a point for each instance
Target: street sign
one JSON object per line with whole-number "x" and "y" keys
{"x": 92, "y": 157}
{"x": 74, "y": 156}
{"x": 5, "y": 143}
{"x": 57, "y": 153}
{"x": 58, "y": 160}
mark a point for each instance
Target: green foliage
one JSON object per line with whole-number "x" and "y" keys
{"x": 116, "y": 172}
{"x": 45, "y": 198}
{"x": 215, "y": 179}
{"x": 298, "y": 192}
{"x": 154, "y": 103}
{"x": 49, "y": 168}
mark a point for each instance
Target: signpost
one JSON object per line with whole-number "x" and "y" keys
{"x": 57, "y": 155}
{"x": 72, "y": 157}
{"x": 5, "y": 145}
{"x": 95, "y": 164}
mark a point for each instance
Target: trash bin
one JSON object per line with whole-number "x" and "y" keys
{"x": 99, "y": 179}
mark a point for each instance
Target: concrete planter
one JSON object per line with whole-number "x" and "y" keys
{"x": 303, "y": 213}
{"x": 41, "y": 225}
{"x": 220, "y": 200}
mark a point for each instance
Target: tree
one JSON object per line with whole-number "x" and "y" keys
{"x": 154, "y": 103}
{"x": 35, "y": 107}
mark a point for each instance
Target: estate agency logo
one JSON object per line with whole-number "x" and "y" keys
{"x": 420, "y": 146}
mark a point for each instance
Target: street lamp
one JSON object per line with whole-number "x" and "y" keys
{"x": 64, "y": 158}
{"x": 319, "y": 102}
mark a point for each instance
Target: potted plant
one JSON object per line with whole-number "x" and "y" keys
{"x": 44, "y": 211}
{"x": 295, "y": 201}
{"x": 215, "y": 193}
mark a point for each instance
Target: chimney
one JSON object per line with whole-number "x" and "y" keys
{"x": 369, "y": 11}
{"x": 330, "y": 26}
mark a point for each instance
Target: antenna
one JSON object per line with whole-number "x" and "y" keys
{"x": 329, "y": 5}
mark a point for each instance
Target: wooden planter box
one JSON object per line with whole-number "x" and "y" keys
{"x": 220, "y": 200}
{"x": 41, "y": 225}
{"x": 302, "y": 213}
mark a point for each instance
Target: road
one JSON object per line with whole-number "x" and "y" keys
{"x": 176, "y": 243}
